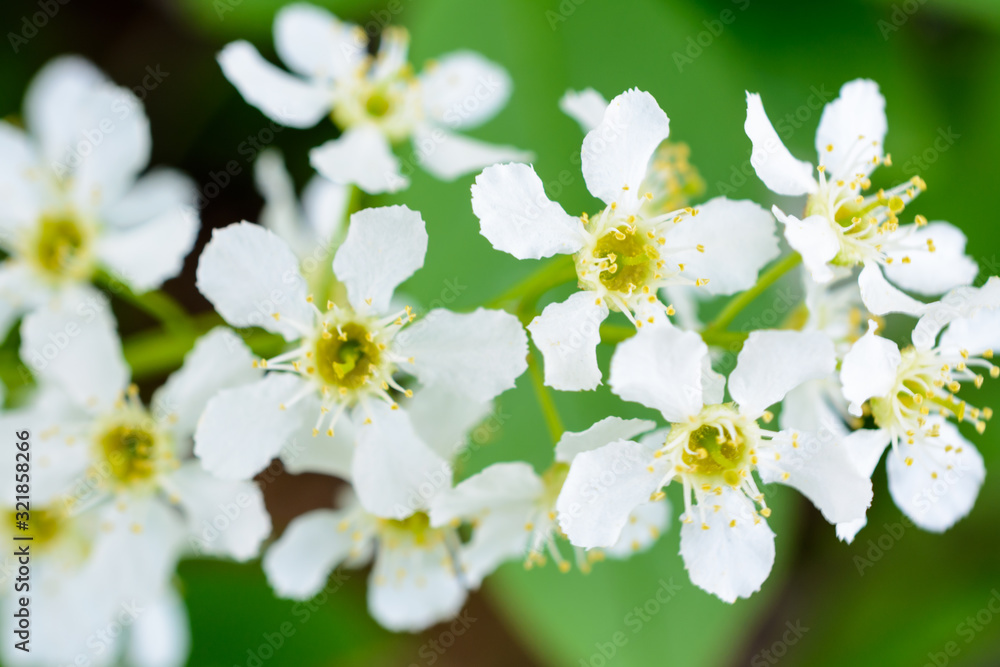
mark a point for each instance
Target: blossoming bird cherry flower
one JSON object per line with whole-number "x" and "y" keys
{"x": 625, "y": 253}
{"x": 72, "y": 200}
{"x": 841, "y": 225}
{"x": 345, "y": 362}
{"x": 513, "y": 508}
{"x": 712, "y": 449}
{"x": 376, "y": 101}
{"x": 911, "y": 394}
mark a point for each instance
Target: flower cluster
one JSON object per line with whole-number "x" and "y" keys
{"x": 317, "y": 359}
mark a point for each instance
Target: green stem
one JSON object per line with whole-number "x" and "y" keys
{"x": 552, "y": 274}
{"x": 743, "y": 299}
{"x": 545, "y": 402}
{"x": 158, "y": 304}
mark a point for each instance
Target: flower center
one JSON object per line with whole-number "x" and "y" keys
{"x": 44, "y": 526}
{"x": 377, "y": 104}
{"x": 131, "y": 447}
{"x": 415, "y": 529}
{"x": 392, "y": 104}
{"x": 672, "y": 179}
{"x": 628, "y": 258}
{"x": 348, "y": 358}
{"x": 61, "y": 247}
{"x": 716, "y": 450}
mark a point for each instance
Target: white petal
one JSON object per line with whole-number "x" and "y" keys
{"x": 816, "y": 405}
{"x": 616, "y": 153}
{"x": 225, "y": 517}
{"x": 391, "y": 57}
{"x": 603, "y": 487}
{"x": 727, "y": 549}
{"x": 21, "y": 194}
{"x": 815, "y": 240}
{"x": 325, "y": 205}
{"x": 360, "y": 156}
{"x": 249, "y": 275}
{"x": 601, "y": 433}
{"x": 219, "y": 360}
{"x": 54, "y": 99}
{"x": 298, "y": 564}
{"x": 959, "y": 303}
{"x": 161, "y": 635}
{"x": 737, "y": 240}
{"x": 865, "y": 447}
{"x": 281, "y": 212}
{"x": 781, "y": 172}
{"x": 479, "y": 353}
{"x": 975, "y": 334}
{"x": 713, "y": 385}
{"x": 869, "y": 368}
{"x": 20, "y": 292}
{"x": 384, "y": 247}
{"x": 447, "y": 155}
{"x": 74, "y": 343}
{"x": 852, "y": 130}
{"x": 394, "y": 472}
{"x": 498, "y": 537}
{"x": 243, "y": 428}
{"x": 586, "y": 107}
{"x": 932, "y": 273}
{"x": 463, "y": 89}
{"x": 413, "y": 587}
{"x": 820, "y": 468}
{"x": 645, "y": 525}
{"x": 772, "y": 363}
{"x": 315, "y": 44}
{"x": 847, "y": 531}
{"x": 567, "y": 334}
{"x": 661, "y": 368}
{"x": 881, "y": 298}
{"x": 495, "y": 489}
{"x": 939, "y": 487}
{"x": 281, "y": 96}
{"x": 146, "y": 254}
{"x": 443, "y": 417}
{"x": 516, "y": 216}
{"x": 157, "y": 192}
{"x": 320, "y": 453}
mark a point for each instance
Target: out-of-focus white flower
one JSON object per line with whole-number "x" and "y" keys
{"x": 625, "y": 253}
{"x": 376, "y": 101}
{"x": 513, "y": 509}
{"x": 72, "y": 200}
{"x": 841, "y": 226}
{"x": 346, "y": 358}
{"x": 712, "y": 449}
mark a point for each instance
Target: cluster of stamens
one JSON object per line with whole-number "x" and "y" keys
{"x": 59, "y": 247}
{"x": 131, "y": 446}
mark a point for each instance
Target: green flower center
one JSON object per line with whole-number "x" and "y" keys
{"x": 417, "y": 527}
{"x": 716, "y": 451}
{"x": 349, "y": 358}
{"x": 43, "y": 526}
{"x": 61, "y": 247}
{"x": 629, "y": 256}
{"x": 377, "y": 105}
{"x": 131, "y": 450}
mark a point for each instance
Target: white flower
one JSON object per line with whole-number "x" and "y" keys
{"x": 629, "y": 250}
{"x": 841, "y": 226}
{"x": 72, "y": 200}
{"x": 934, "y": 473}
{"x": 345, "y": 360}
{"x": 712, "y": 449}
{"x": 513, "y": 509}
{"x": 376, "y": 101}
{"x": 414, "y": 583}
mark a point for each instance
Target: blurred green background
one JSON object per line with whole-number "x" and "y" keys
{"x": 897, "y": 596}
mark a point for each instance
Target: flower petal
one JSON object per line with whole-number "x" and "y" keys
{"x": 960, "y": 302}
{"x": 479, "y": 353}
{"x": 251, "y": 276}
{"x": 781, "y": 172}
{"x": 360, "y": 156}
{"x": 279, "y": 95}
{"x": 494, "y": 489}
{"x": 22, "y": 195}
{"x": 54, "y": 99}
{"x": 73, "y": 342}
{"x": 316, "y": 44}
{"x": 881, "y": 298}
{"x": 320, "y": 453}
{"x": 603, "y": 487}
{"x": 161, "y": 635}
{"x": 661, "y": 368}
{"x": 772, "y": 363}
{"x": 932, "y": 272}
{"x": 585, "y": 106}
{"x": 516, "y": 216}
{"x": 413, "y": 587}
{"x": 443, "y": 418}
{"x": 298, "y": 564}
{"x": 645, "y": 525}
{"x": 447, "y": 155}
{"x": 325, "y": 206}
{"x": 856, "y": 118}
{"x": 384, "y": 247}
{"x": 941, "y": 483}
{"x": 814, "y": 239}
{"x": 617, "y": 152}
{"x": 149, "y": 253}
{"x": 281, "y": 212}
{"x": 727, "y": 549}
{"x": 157, "y": 192}
{"x": 601, "y": 433}
{"x": 225, "y": 517}
{"x": 567, "y": 334}
{"x": 243, "y": 428}
{"x": 820, "y": 468}
{"x": 394, "y": 472}
{"x": 728, "y": 243}
{"x": 975, "y": 335}
{"x": 864, "y": 447}
{"x": 20, "y": 292}
{"x": 463, "y": 89}
{"x": 869, "y": 368}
